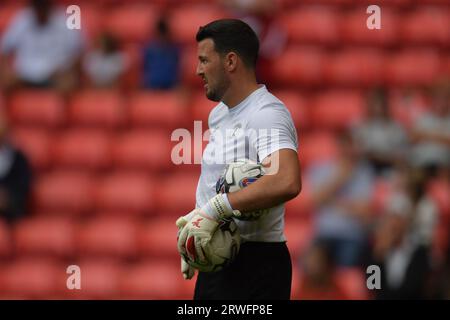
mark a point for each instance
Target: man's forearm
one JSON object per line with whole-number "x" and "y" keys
{"x": 267, "y": 192}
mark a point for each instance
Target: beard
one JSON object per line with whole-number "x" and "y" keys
{"x": 217, "y": 92}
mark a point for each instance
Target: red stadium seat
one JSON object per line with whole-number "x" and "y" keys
{"x": 185, "y": 20}
{"x": 131, "y": 78}
{"x": 316, "y": 147}
{"x": 143, "y": 149}
{"x": 97, "y": 108}
{"x": 353, "y": 281}
{"x": 99, "y": 279}
{"x": 439, "y": 191}
{"x": 37, "y": 107}
{"x": 406, "y": 107}
{"x": 427, "y": 26}
{"x": 356, "y": 67}
{"x": 152, "y": 280}
{"x": 189, "y": 62}
{"x": 157, "y": 108}
{"x": 300, "y": 66}
{"x": 312, "y": 25}
{"x": 33, "y": 278}
{"x": 297, "y": 105}
{"x": 299, "y": 233}
{"x": 92, "y": 19}
{"x": 127, "y": 192}
{"x": 132, "y": 22}
{"x": 8, "y": 12}
{"x": 85, "y": 149}
{"x": 176, "y": 193}
{"x": 107, "y": 237}
{"x": 337, "y": 109}
{"x": 156, "y": 238}
{"x": 35, "y": 144}
{"x": 5, "y": 239}
{"x": 440, "y": 2}
{"x": 302, "y": 205}
{"x": 412, "y": 68}
{"x": 45, "y": 236}
{"x": 70, "y": 192}
{"x": 354, "y": 28}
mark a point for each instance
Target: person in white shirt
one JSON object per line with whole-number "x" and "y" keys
{"x": 106, "y": 64}
{"x": 43, "y": 49}
{"x": 248, "y": 123}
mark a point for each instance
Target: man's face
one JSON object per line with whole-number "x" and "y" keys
{"x": 211, "y": 69}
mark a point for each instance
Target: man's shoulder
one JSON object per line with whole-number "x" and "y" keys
{"x": 217, "y": 113}
{"x": 269, "y": 108}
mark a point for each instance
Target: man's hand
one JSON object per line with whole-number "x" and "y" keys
{"x": 187, "y": 271}
{"x": 194, "y": 237}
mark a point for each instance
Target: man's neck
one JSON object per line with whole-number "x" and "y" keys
{"x": 238, "y": 92}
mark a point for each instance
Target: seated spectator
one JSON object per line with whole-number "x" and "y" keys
{"x": 318, "y": 280}
{"x": 105, "y": 65}
{"x": 15, "y": 178}
{"x": 43, "y": 50}
{"x": 431, "y": 134}
{"x": 341, "y": 193}
{"x": 402, "y": 243}
{"x": 382, "y": 140}
{"x": 161, "y": 59}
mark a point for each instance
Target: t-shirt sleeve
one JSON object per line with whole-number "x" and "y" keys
{"x": 272, "y": 129}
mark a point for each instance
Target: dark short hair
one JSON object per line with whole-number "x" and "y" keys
{"x": 232, "y": 35}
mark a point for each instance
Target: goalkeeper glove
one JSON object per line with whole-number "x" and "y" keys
{"x": 187, "y": 271}
{"x": 219, "y": 208}
{"x": 195, "y": 236}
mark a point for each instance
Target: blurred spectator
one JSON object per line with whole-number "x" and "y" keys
{"x": 318, "y": 281}
{"x": 402, "y": 243}
{"x": 431, "y": 134}
{"x": 407, "y": 106}
{"x": 161, "y": 59}
{"x": 341, "y": 193}
{"x": 382, "y": 140}
{"x": 261, "y": 16}
{"x": 105, "y": 65}
{"x": 15, "y": 178}
{"x": 43, "y": 50}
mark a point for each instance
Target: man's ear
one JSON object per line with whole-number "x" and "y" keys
{"x": 231, "y": 61}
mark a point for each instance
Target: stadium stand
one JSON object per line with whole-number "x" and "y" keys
{"x": 106, "y": 194}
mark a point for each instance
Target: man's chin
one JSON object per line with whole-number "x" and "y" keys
{"x": 211, "y": 96}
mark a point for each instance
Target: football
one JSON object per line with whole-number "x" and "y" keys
{"x": 238, "y": 175}
{"x": 222, "y": 248}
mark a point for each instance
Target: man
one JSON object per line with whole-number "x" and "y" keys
{"x": 248, "y": 123}
{"x": 15, "y": 178}
{"x": 45, "y": 52}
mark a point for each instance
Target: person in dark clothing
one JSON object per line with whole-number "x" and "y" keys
{"x": 402, "y": 243}
{"x": 161, "y": 58}
{"x": 15, "y": 178}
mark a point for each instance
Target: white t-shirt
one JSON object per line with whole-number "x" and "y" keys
{"x": 40, "y": 51}
{"x": 104, "y": 69}
{"x": 255, "y": 128}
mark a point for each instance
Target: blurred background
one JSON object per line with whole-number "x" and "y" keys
{"x": 86, "y": 117}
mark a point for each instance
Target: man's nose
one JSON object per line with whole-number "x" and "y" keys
{"x": 199, "y": 70}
